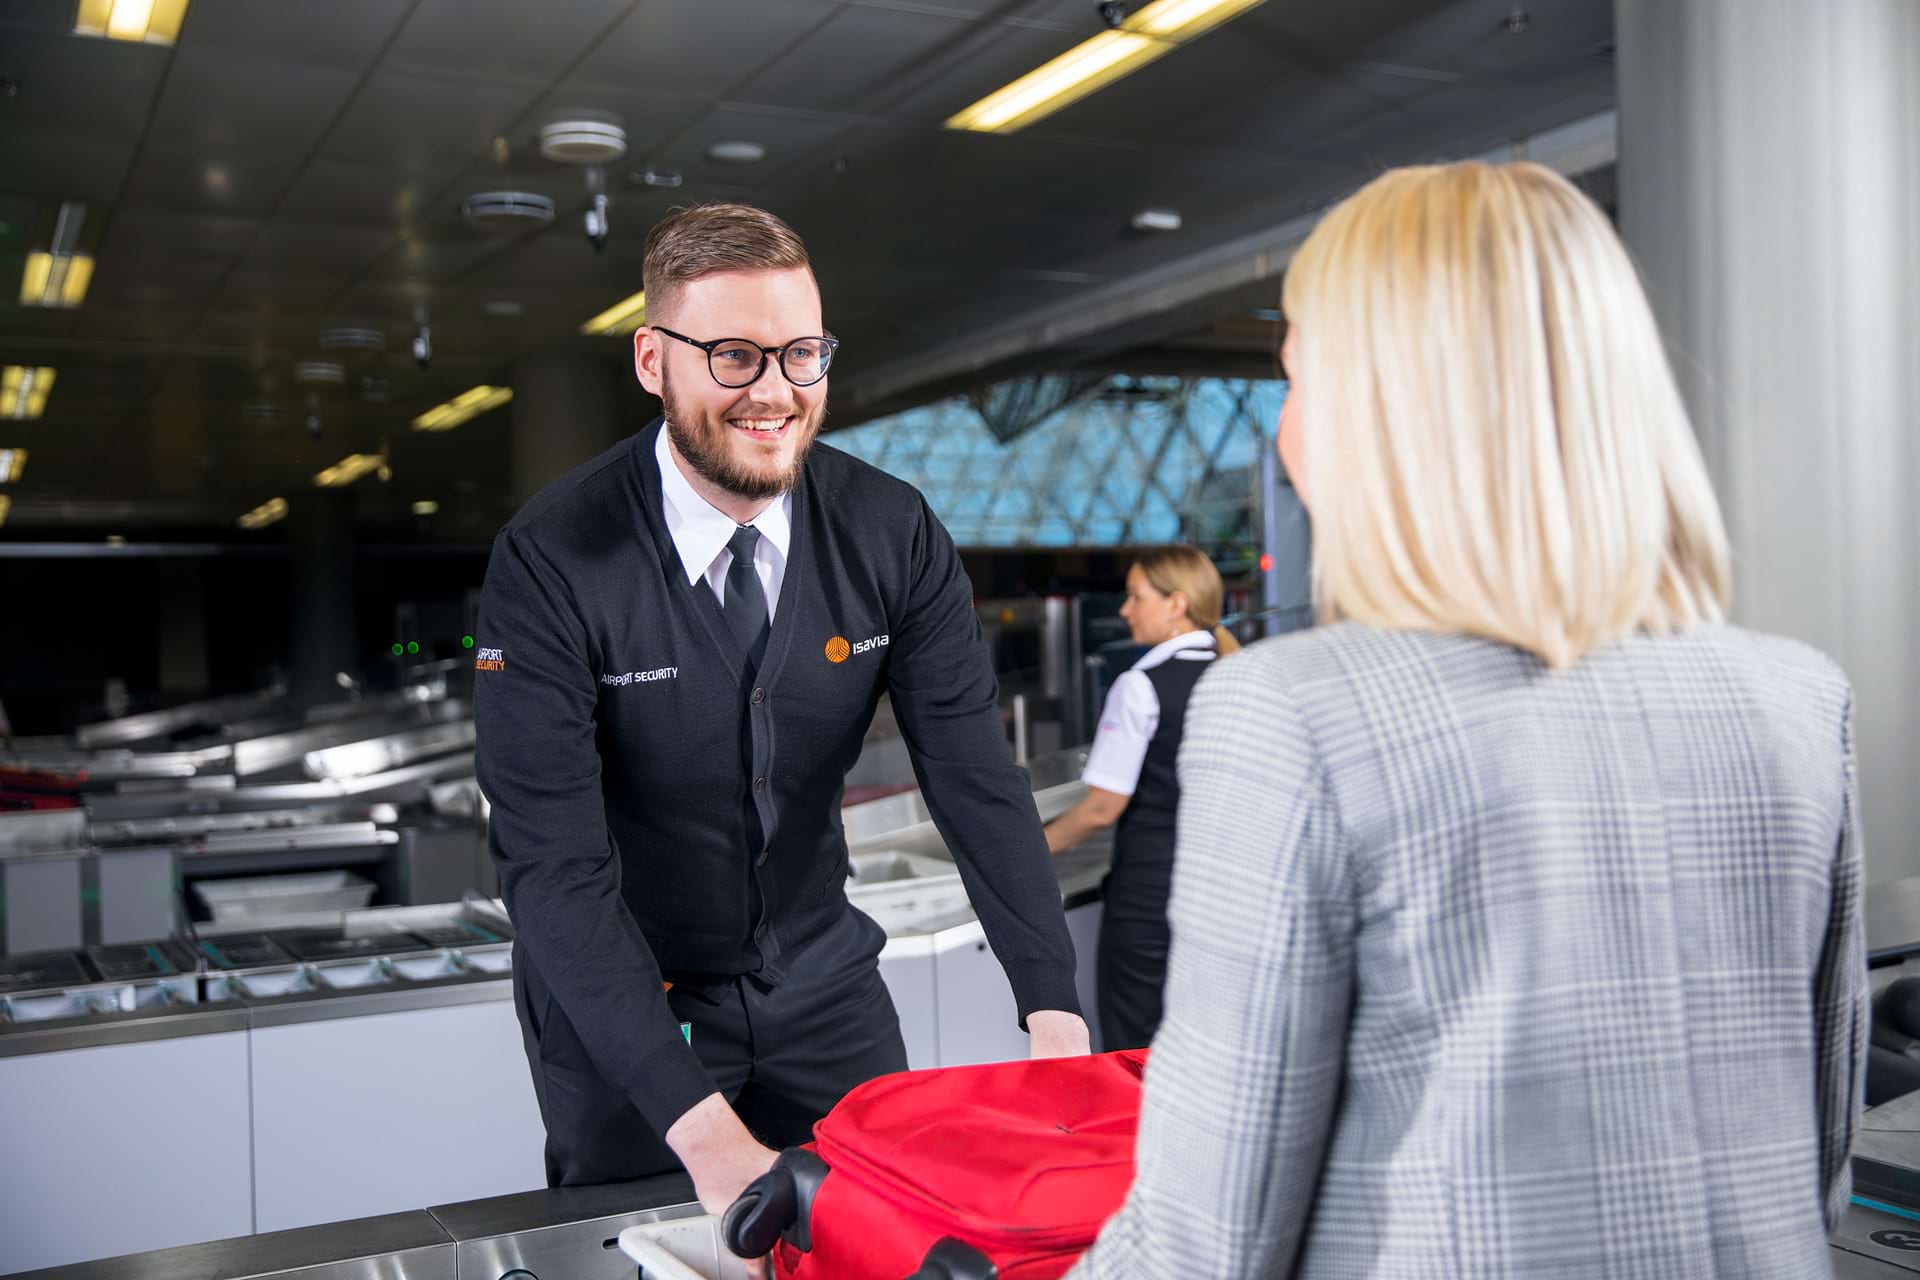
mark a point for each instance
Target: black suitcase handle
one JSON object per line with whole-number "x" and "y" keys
{"x": 777, "y": 1205}
{"x": 951, "y": 1259}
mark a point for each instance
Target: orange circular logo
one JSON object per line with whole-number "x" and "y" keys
{"x": 838, "y": 649}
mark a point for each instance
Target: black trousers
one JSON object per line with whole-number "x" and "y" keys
{"x": 781, "y": 1056}
{"x": 1132, "y": 959}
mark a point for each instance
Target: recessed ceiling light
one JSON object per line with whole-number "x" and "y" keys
{"x": 115, "y": 540}
{"x": 583, "y": 137}
{"x": 623, "y": 317}
{"x": 506, "y": 210}
{"x": 504, "y": 308}
{"x": 265, "y": 514}
{"x": 13, "y": 464}
{"x": 24, "y": 390}
{"x": 319, "y": 372}
{"x": 425, "y": 507}
{"x": 1155, "y": 31}
{"x": 6, "y": 505}
{"x": 57, "y": 276}
{"x": 736, "y": 153}
{"x": 350, "y": 468}
{"x": 1156, "y": 220}
{"x": 467, "y": 405}
{"x": 143, "y": 21}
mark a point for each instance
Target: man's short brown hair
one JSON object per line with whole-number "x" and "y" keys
{"x": 706, "y": 239}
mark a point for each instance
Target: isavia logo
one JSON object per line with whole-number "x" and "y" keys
{"x": 838, "y": 650}
{"x": 490, "y": 660}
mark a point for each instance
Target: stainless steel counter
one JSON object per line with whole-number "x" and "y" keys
{"x": 545, "y": 1234}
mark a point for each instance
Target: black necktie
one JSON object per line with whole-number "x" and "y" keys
{"x": 746, "y": 601}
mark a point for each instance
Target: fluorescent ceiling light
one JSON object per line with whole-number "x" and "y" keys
{"x": 350, "y": 468}
{"x": 425, "y": 507}
{"x": 143, "y": 21}
{"x": 622, "y": 317}
{"x": 12, "y": 463}
{"x": 55, "y": 279}
{"x": 24, "y": 390}
{"x": 1155, "y": 31}
{"x": 265, "y": 514}
{"x": 468, "y": 404}
{"x": 6, "y": 504}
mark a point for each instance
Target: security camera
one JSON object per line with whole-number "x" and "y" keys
{"x": 597, "y": 227}
{"x": 423, "y": 347}
{"x": 1112, "y": 12}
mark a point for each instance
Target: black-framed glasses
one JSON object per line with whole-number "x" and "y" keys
{"x": 737, "y": 362}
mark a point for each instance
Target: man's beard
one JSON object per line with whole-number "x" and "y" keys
{"x": 706, "y": 445}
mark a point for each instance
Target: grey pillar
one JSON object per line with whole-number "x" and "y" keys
{"x": 566, "y": 409}
{"x": 1770, "y": 188}
{"x": 320, "y": 594}
{"x": 182, "y": 584}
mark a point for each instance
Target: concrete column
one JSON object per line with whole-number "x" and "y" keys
{"x": 1770, "y": 188}
{"x": 320, "y": 593}
{"x": 566, "y": 409}
{"x": 181, "y": 585}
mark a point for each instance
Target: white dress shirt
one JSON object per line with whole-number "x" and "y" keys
{"x": 1132, "y": 713}
{"x": 700, "y": 532}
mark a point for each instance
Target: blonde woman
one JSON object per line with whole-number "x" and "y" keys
{"x": 1516, "y": 928}
{"x": 1174, "y": 596}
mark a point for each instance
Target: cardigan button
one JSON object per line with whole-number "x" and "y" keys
{"x": 761, "y": 861}
{"x": 759, "y": 696}
{"x": 759, "y": 784}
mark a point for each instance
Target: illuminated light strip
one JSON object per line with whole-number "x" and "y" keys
{"x": 265, "y": 514}
{"x": 24, "y": 390}
{"x": 622, "y": 317}
{"x": 463, "y": 407}
{"x": 141, "y": 21}
{"x": 350, "y": 468}
{"x": 13, "y": 463}
{"x": 1155, "y": 31}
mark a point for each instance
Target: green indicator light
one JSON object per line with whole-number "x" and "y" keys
{"x": 399, "y": 649}
{"x": 413, "y": 646}
{"x": 466, "y": 642}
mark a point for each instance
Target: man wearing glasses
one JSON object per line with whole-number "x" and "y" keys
{"x": 685, "y": 639}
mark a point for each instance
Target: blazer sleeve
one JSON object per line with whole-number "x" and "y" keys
{"x": 947, "y": 701}
{"x": 1246, "y": 1071}
{"x": 559, "y": 869}
{"x": 1840, "y": 996}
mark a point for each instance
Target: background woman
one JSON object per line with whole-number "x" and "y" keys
{"x": 1173, "y": 608}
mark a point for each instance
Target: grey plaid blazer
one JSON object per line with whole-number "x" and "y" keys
{"x": 1481, "y": 970}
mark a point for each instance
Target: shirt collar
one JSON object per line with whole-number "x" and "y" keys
{"x": 1167, "y": 648}
{"x": 700, "y": 530}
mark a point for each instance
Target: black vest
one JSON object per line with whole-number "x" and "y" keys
{"x": 1143, "y": 841}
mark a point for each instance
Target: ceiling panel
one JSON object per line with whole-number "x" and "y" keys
{"x": 424, "y": 122}
{"x": 63, "y": 168}
{"x": 897, "y": 47}
{"x": 701, "y": 48}
{"x": 279, "y": 291}
{"x": 60, "y": 79}
{"x": 219, "y": 100}
{"x": 787, "y": 138}
{"x": 364, "y": 194}
{"x": 315, "y": 247}
{"x": 502, "y": 39}
{"x": 231, "y": 183}
{"x": 159, "y": 280}
{"x": 145, "y": 231}
{"x": 339, "y": 33}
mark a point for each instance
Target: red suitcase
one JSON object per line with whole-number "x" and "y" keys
{"x": 1007, "y": 1169}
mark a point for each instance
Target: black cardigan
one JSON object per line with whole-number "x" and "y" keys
{"x": 621, "y": 743}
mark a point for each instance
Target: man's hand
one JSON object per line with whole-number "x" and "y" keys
{"x": 1057, "y": 1034}
{"x": 719, "y": 1152}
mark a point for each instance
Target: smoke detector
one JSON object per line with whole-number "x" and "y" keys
{"x": 583, "y": 137}
{"x": 350, "y": 339}
{"x": 507, "y": 210}
{"x": 319, "y": 372}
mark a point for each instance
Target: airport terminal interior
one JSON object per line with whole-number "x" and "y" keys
{"x": 315, "y": 295}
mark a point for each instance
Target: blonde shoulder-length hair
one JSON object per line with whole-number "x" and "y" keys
{"x": 1494, "y": 441}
